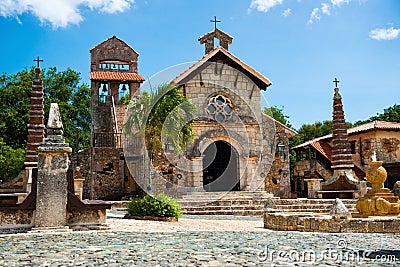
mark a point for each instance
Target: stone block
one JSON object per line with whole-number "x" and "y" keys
{"x": 354, "y": 226}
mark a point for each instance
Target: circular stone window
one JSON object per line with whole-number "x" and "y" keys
{"x": 220, "y": 108}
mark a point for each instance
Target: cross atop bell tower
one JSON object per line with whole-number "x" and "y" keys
{"x": 208, "y": 39}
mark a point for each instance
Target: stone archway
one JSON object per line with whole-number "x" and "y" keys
{"x": 221, "y": 167}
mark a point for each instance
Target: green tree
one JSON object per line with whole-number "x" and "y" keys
{"x": 11, "y": 161}
{"x": 63, "y": 88}
{"x": 278, "y": 114}
{"x": 163, "y": 115}
{"x": 391, "y": 114}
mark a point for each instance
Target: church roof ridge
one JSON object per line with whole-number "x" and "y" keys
{"x": 212, "y": 53}
{"x": 213, "y": 32}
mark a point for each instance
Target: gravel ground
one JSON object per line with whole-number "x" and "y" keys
{"x": 197, "y": 241}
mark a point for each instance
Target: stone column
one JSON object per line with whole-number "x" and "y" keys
{"x": 196, "y": 173}
{"x": 51, "y": 201}
{"x": 313, "y": 185}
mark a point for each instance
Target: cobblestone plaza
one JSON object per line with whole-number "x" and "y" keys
{"x": 197, "y": 241}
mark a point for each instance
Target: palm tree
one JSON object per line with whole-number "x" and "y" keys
{"x": 161, "y": 116}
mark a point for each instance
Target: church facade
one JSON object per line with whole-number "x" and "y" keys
{"x": 236, "y": 146}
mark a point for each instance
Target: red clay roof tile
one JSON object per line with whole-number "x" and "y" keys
{"x": 116, "y": 76}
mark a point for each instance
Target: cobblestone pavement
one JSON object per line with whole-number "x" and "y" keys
{"x": 145, "y": 243}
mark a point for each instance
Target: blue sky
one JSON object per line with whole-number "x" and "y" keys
{"x": 301, "y": 46}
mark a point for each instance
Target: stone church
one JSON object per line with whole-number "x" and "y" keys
{"x": 236, "y": 146}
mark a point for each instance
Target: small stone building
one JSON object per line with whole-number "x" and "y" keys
{"x": 315, "y": 156}
{"x": 236, "y": 146}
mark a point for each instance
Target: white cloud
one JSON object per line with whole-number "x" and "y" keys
{"x": 325, "y": 9}
{"x": 384, "y": 34}
{"x": 264, "y": 5}
{"x": 60, "y": 13}
{"x": 287, "y": 12}
{"x": 314, "y": 16}
{"x": 339, "y": 2}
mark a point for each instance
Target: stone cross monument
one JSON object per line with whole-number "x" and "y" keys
{"x": 51, "y": 201}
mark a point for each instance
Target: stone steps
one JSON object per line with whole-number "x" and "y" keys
{"x": 312, "y": 205}
{"x": 252, "y": 203}
{"x": 249, "y": 203}
{"x": 226, "y": 212}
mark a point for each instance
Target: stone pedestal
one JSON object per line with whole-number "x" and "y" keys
{"x": 313, "y": 186}
{"x": 378, "y": 201}
{"x": 51, "y": 201}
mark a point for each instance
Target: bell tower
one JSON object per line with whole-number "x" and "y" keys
{"x": 114, "y": 80}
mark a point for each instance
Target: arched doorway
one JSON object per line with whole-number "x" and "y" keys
{"x": 220, "y": 168}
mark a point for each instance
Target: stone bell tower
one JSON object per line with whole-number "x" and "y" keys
{"x": 114, "y": 81}
{"x": 208, "y": 39}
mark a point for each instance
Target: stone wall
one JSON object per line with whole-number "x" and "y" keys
{"x": 325, "y": 223}
{"x": 107, "y": 179}
{"x": 16, "y": 218}
{"x": 86, "y": 217}
{"x": 83, "y": 160}
{"x": 218, "y": 78}
{"x": 277, "y": 180}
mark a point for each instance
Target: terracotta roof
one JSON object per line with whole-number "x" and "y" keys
{"x": 323, "y": 148}
{"x": 207, "y": 57}
{"x": 116, "y": 76}
{"x": 370, "y": 126}
{"x": 375, "y": 125}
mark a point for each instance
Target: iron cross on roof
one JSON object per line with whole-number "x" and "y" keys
{"x": 38, "y": 60}
{"x": 215, "y": 22}
{"x": 336, "y": 81}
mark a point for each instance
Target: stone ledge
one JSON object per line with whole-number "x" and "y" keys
{"x": 311, "y": 222}
{"x": 152, "y": 218}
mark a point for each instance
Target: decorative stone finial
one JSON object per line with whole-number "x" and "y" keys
{"x": 54, "y": 140}
{"x": 54, "y": 117}
{"x": 339, "y": 210}
{"x": 341, "y": 152}
{"x": 54, "y": 124}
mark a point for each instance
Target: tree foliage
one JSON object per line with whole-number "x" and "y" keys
{"x": 163, "y": 115}
{"x": 11, "y": 161}
{"x": 278, "y": 114}
{"x": 391, "y": 114}
{"x": 63, "y": 88}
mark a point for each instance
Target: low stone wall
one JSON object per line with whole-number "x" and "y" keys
{"x": 87, "y": 217}
{"x": 16, "y": 218}
{"x": 308, "y": 222}
{"x": 16, "y": 221}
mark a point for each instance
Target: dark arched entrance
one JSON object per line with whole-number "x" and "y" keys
{"x": 220, "y": 167}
